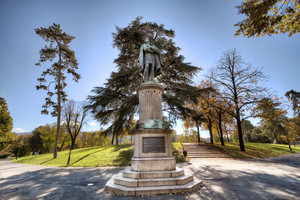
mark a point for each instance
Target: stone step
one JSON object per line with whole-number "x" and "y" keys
{"x": 128, "y": 173}
{"x": 130, "y": 182}
{"x": 204, "y": 153}
{"x": 212, "y": 154}
{"x": 195, "y": 150}
{"x": 150, "y": 191}
{"x": 207, "y": 155}
{"x": 191, "y": 144}
{"x": 222, "y": 156}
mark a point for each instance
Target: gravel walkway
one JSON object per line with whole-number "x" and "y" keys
{"x": 224, "y": 178}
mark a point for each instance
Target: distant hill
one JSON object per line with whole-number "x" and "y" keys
{"x": 25, "y": 133}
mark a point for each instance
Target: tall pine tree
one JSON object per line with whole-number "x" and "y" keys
{"x": 63, "y": 61}
{"x": 116, "y": 102}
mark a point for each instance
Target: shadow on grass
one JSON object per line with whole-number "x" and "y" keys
{"x": 87, "y": 149}
{"x": 86, "y": 156}
{"x": 285, "y": 149}
{"x": 46, "y": 161}
{"x": 124, "y": 157}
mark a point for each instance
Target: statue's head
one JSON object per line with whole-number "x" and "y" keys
{"x": 149, "y": 39}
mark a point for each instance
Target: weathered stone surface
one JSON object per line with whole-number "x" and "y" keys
{"x": 128, "y": 173}
{"x": 150, "y": 133}
{"x": 153, "y": 164}
{"x": 177, "y": 172}
{"x": 154, "y": 189}
{"x": 184, "y": 179}
{"x": 128, "y": 182}
{"x": 150, "y": 98}
{"x": 164, "y": 174}
{"x": 156, "y": 182}
{"x": 151, "y": 182}
{"x": 118, "y": 189}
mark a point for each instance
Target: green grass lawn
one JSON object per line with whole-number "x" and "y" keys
{"x": 93, "y": 157}
{"x": 257, "y": 150}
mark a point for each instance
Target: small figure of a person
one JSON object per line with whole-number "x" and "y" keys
{"x": 150, "y": 60}
{"x": 184, "y": 153}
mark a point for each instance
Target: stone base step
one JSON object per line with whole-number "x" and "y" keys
{"x": 129, "y": 182}
{"x": 150, "y": 191}
{"x": 128, "y": 173}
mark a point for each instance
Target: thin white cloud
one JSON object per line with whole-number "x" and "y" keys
{"x": 92, "y": 124}
{"x": 18, "y": 130}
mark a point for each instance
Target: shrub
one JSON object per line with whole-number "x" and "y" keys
{"x": 20, "y": 150}
{"x": 4, "y": 155}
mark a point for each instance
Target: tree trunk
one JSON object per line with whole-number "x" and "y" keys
{"x": 290, "y": 147}
{"x": 73, "y": 143}
{"x": 112, "y": 140}
{"x": 240, "y": 132}
{"x": 275, "y": 136}
{"x": 69, "y": 158}
{"x": 219, "y": 111}
{"x": 117, "y": 141}
{"x": 198, "y": 131}
{"x": 237, "y": 112}
{"x": 58, "y": 110}
{"x": 61, "y": 146}
{"x": 18, "y": 154}
{"x": 227, "y": 135}
{"x": 221, "y": 130}
{"x": 210, "y": 130}
{"x": 71, "y": 148}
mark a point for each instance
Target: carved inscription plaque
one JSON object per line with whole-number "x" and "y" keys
{"x": 154, "y": 145}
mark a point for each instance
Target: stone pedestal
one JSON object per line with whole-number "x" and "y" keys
{"x": 152, "y": 151}
{"x": 152, "y": 143}
{"x": 153, "y": 167}
{"x": 150, "y": 98}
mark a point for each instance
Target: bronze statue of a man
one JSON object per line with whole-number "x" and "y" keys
{"x": 150, "y": 60}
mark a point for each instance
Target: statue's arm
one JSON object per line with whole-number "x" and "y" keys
{"x": 157, "y": 50}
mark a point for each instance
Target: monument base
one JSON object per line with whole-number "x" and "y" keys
{"x": 153, "y": 164}
{"x": 152, "y": 150}
{"x": 131, "y": 183}
{"x": 153, "y": 168}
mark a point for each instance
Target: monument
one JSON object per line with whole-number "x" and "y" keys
{"x": 153, "y": 168}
